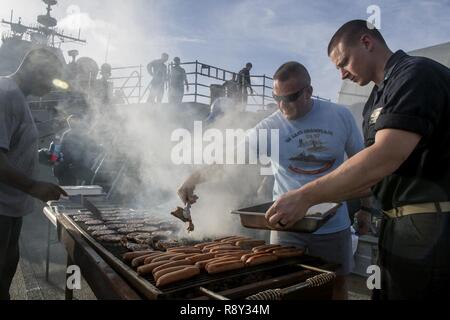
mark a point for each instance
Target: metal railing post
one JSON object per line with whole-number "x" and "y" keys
{"x": 196, "y": 73}
{"x": 264, "y": 92}
{"x": 140, "y": 82}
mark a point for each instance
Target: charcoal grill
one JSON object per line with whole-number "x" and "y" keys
{"x": 129, "y": 285}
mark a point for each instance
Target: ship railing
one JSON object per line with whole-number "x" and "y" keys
{"x": 201, "y": 77}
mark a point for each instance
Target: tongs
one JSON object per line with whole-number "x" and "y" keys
{"x": 184, "y": 214}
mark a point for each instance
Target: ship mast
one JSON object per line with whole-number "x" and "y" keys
{"x": 46, "y": 27}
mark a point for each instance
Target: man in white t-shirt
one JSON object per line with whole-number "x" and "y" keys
{"x": 314, "y": 136}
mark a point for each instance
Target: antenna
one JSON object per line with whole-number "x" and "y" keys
{"x": 107, "y": 46}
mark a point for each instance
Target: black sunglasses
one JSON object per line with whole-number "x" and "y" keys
{"x": 290, "y": 97}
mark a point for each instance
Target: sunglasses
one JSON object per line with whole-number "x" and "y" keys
{"x": 290, "y": 97}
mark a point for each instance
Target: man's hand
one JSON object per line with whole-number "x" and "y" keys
{"x": 288, "y": 209}
{"x": 186, "y": 192}
{"x": 46, "y": 191}
{"x": 362, "y": 222}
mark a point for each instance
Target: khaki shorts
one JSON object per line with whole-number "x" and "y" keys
{"x": 332, "y": 247}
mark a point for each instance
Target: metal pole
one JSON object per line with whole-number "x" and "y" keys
{"x": 264, "y": 92}
{"x": 140, "y": 82}
{"x": 47, "y": 258}
{"x": 196, "y": 70}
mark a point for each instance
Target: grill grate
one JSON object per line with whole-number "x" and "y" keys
{"x": 188, "y": 288}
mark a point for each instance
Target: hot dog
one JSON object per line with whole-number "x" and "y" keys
{"x": 231, "y": 254}
{"x": 248, "y": 255}
{"x": 234, "y": 238}
{"x": 221, "y": 259}
{"x": 158, "y": 274}
{"x": 202, "y": 264}
{"x": 148, "y": 268}
{"x": 185, "y": 250}
{"x": 166, "y": 257}
{"x": 265, "y": 247}
{"x": 183, "y": 256}
{"x": 152, "y": 257}
{"x": 287, "y": 253}
{"x": 128, "y": 256}
{"x": 260, "y": 259}
{"x": 249, "y": 244}
{"x": 225, "y": 247}
{"x": 200, "y": 257}
{"x": 179, "y": 275}
{"x": 223, "y": 266}
{"x": 203, "y": 244}
{"x": 170, "y": 264}
{"x": 140, "y": 260}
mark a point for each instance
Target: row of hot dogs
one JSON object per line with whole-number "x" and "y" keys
{"x": 221, "y": 255}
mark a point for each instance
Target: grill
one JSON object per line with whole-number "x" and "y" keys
{"x": 121, "y": 281}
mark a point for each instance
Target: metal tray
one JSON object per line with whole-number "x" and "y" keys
{"x": 317, "y": 216}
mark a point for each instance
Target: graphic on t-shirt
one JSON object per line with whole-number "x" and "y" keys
{"x": 308, "y": 160}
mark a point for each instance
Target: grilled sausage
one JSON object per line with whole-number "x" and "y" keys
{"x": 202, "y": 264}
{"x": 166, "y": 257}
{"x": 183, "y": 256}
{"x": 128, "y": 256}
{"x": 265, "y": 247}
{"x": 158, "y": 274}
{"x": 140, "y": 260}
{"x": 203, "y": 244}
{"x": 170, "y": 264}
{"x": 185, "y": 250}
{"x": 249, "y": 244}
{"x": 150, "y": 258}
{"x": 287, "y": 253}
{"x": 225, "y": 247}
{"x": 148, "y": 268}
{"x": 223, "y": 238}
{"x": 200, "y": 257}
{"x": 179, "y": 275}
{"x": 234, "y": 239}
{"x": 260, "y": 259}
{"x": 221, "y": 259}
{"x": 238, "y": 254}
{"x": 248, "y": 255}
{"x": 223, "y": 266}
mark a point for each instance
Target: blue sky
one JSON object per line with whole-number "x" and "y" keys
{"x": 230, "y": 33}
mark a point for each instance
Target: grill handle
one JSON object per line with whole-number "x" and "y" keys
{"x": 277, "y": 294}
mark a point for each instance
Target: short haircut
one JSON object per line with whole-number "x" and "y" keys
{"x": 249, "y": 65}
{"x": 350, "y": 32}
{"x": 292, "y": 69}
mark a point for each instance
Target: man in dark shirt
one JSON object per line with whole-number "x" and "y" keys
{"x": 37, "y": 74}
{"x": 244, "y": 83}
{"x": 406, "y": 162}
{"x": 177, "y": 81}
{"x": 158, "y": 70}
